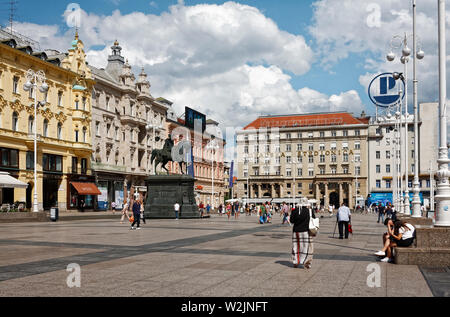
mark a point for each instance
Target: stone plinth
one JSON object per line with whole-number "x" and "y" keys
{"x": 15, "y": 217}
{"x": 422, "y": 221}
{"x": 432, "y": 248}
{"x": 164, "y": 191}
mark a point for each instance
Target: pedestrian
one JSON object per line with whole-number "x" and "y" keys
{"x": 202, "y": 209}
{"x": 381, "y": 212}
{"x": 125, "y": 212}
{"x": 236, "y": 211}
{"x": 285, "y": 213}
{"x": 177, "y": 210}
{"x": 423, "y": 211}
{"x": 208, "y": 209}
{"x": 403, "y": 236}
{"x": 82, "y": 205}
{"x": 390, "y": 231}
{"x": 113, "y": 207}
{"x": 302, "y": 241}
{"x": 330, "y": 210}
{"x": 390, "y": 213}
{"x": 220, "y": 209}
{"x": 343, "y": 219}
{"x": 136, "y": 214}
{"x": 229, "y": 210}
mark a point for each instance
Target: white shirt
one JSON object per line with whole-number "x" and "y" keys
{"x": 407, "y": 234}
{"x": 177, "y": 207}
{"x": 344, "y": 214}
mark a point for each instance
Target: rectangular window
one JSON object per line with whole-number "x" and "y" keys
{"x": 16, "y": 85}
{"x": 84, "y": 103}
{"x": 311, "y": 147}
{"x": 322, "y": 134}
{"x": 357, "y": 170}
{"x": 388, "y": 155}
{"x": 310, "y": 172}
{"x": 84, "y": 166}
{"x": 345, "y": 157}
{"x": 357, "y": 132}
{"x": 333, "y": 158}
{"x": 357, "y": 146}
{"x": 378, "y": 183}
{"x": 60, "y": 97}
{"x": 299, "y": 135}
{"x": 288, "y": 173}
{"x": 246, "y": 149}
{"x": 388, "y": 184}
{"x": 322, "y": 159}
{"x": 30, "y": 161}
{"x": 52, "y": 163}
{"x": 310, "y": 135}
{"x": 322, "y": 147}
{"x": 299, "y": 172}
{"x": 299, "y": 147}
{"x": 378, "y": 169}
{"x": 321, "y": 170}
{"x": 345, "y": 133}
{"x": 388, "y": 168}
{"x": 333, "y": 146}
{"x": 345, "y": 169}
{"x": 288, "y": 148}
{"x": 74, "y": 165}
{"x": 278, "y": 160}
{"x": 9, "y": 158}
{"x": 288, "y": 136}
{"x": 345, "y": 145}
{"x": 378, "y": 155}
{"x": 333, "y": 133}
{"x": 428, "y": 183}
{"x": 333, "y": 170}
{"x": 311, "y": 159}
{"x": 288, "y": 159}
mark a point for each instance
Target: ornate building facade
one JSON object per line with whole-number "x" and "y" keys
{"x": 321, "y": 157}
{"x": 63, "y": 124}
{"x": 128, "y": 123}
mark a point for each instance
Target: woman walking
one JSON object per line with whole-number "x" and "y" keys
{"x": 302, "y": 241}
{"x": 125, "y": 212}
{"x": 136, "y": 214}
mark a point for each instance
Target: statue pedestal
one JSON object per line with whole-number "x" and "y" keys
{"x": 164, "y": 191}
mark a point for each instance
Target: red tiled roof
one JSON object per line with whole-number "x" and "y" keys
{"x": 308, "y": 120}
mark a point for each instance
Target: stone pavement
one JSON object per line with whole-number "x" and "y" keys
{"x": 200, "y": 258}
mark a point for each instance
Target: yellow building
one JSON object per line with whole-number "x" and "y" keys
{"x": 63, "y": 125}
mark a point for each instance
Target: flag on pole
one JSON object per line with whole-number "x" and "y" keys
{"x": 231, "y": 175}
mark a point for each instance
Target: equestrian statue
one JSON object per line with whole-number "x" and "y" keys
{"x": 164, "y": 155}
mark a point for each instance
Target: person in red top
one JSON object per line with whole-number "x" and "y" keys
{"x": 202, "y": 209}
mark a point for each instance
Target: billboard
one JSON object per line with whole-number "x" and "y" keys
{"x": 191, "y": 115}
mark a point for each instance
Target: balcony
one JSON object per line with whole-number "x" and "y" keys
{"x": 99, "y": 167}
{"x": 128, "y": 119}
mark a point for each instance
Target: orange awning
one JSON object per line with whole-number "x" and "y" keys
{"x": 86, "y": 188}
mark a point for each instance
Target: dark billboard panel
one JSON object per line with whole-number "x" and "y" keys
{"x": 191, "y": 115}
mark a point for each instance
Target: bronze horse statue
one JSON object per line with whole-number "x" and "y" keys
{"x": 164, "y": 155}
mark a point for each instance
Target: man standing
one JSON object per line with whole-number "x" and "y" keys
{"x": 343, "y": 218}
{"x": 381, "y": 212}
{"x": 136, "y": 214}
{"x": 177, "y": 210}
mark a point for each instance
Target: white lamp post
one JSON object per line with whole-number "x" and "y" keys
{"x": 35, "y": 79}
{"x": 213, "y": 147}
{"x": 443, "y": 188}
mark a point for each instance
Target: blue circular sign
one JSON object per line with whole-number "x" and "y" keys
{"x": 383, "y": 92}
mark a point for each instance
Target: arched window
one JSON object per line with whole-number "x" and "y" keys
{"x": 59, "y": 131}
{"x": 30, "y": 125}
{"x": 84, "y": 134}
{"x": 15, "y": 121}
{"x": 45, "y": 128}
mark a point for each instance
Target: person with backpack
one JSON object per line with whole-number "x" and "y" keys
{"x": 302, "y": 239}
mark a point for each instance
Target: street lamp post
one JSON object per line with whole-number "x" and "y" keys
{"x": 213, "y": 146}
{"x": 33, "y": 79}
{"x": 416, "y": 185}
{"x": 443, "y": 188}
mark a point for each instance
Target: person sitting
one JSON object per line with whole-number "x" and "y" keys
{"x": 390, "y": 231}
{"x": 401, "y": 234}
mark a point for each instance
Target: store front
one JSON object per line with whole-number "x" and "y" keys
{"x": 82, "y": 192}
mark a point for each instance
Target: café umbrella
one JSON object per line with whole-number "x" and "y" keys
{"x": 7, "y": 181}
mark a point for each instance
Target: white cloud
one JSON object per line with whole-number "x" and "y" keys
{"x": 229, "y": 61}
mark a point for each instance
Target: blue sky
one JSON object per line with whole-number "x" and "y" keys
{"x": 341, "y": 55}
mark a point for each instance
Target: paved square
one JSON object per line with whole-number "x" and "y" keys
{"x": 197, "y": 258}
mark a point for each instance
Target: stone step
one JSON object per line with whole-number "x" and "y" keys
{"x": 433, "y": 237}
{"x": 430, "y": 257}
{"x": 416, "y": 221}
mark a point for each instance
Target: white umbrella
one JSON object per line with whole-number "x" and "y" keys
{"x": 7, "y": 181}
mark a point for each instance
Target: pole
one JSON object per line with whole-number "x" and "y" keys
{"x": 35, "y": 203}
{"x": 212, "y": 172}
{"x": 406, "y": 197}
{"x": 443, "y": 188}
{"x": 401, "y": 205}
{"x": 416, "y": 212}
{"x": 431, "y": 187}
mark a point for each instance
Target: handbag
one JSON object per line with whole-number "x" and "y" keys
{"x": 132, "y": 219}
{"x": 313, "y": 224}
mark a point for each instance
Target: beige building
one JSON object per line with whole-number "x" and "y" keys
{"x": 321, "y": 157}
{"x": 63, "y": 124}
{"x": 127, "y": 122}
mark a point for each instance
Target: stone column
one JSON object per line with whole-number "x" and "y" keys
{"x": 327, "y": 196}
{"x": 250, "y": 190}
{"x": 341, "y": 195}
{"x": 281, "y": 191}
{"x": 273, "y": 190}
{"x": 318, "y": 192}
{"x": 259, "y": 191}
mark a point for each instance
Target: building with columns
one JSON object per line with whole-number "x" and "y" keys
{"x": 321, "y": 157}
{"x": 127, "y": 124}
{"x": 63, "y": 124}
